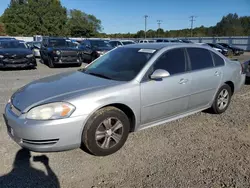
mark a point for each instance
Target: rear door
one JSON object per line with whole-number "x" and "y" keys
{"x": 206, "y": 77}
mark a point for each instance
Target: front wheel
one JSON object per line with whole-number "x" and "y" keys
{"x": 50, "y": 63}
{"x": 222, "y": 99}
{"x": 106, "y": 131}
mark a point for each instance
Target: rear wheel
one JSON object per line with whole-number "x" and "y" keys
{"x": 222, "y": 99}
{"x": 106, "y": 131}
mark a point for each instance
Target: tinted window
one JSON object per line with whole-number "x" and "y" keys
{"x": 172, "y": 61}
{"x": 99, "y": 43}
{"x": 218, "y": 61}
{"x": 113, "y": 43}
{"x": 12, "y": 44}
{"x": 121, "y": 64}
{"x": 57, "y": 43}
{"x": 200, "y": 58}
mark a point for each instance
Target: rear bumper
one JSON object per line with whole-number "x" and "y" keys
{"x": 45, "y": 136}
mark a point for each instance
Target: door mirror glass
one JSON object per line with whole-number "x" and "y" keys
{"x": 159, "y": 74}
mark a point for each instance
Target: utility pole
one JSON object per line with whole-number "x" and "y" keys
{"x": 192, "y": 24}
{"x": 159, "y": 26}
{"x": 146, "y": 17}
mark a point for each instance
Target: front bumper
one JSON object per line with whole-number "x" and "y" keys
{"x": 66, "y": 61}
{"x": 44, "y": 136}
{"x": 18, "y": 64}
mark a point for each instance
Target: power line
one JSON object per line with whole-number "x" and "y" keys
{"x": 146, "y": 17}
{"x": 192, "y": 24}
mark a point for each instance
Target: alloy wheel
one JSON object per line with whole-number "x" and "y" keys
{"x": 109, "y": 133}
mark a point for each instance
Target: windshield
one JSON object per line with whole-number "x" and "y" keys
{"x": 127, "y": 42}
{"x": 121, "y": 64}
{"x": 12, "y": 44}
{"x": 99, "y": 43}
{"x": 57, "y": 43}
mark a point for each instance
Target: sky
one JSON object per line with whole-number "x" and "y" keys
{"x": 123, "y": 16}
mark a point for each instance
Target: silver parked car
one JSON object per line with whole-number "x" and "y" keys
{"x": 128, "y": 89}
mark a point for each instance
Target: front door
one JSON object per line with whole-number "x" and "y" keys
{"x": 169, "y": 96}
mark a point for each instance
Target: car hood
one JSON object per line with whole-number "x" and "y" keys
{"x": 57, "y": 87}
{"x": 15, "y": 51}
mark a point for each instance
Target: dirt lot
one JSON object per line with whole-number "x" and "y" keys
{"x": 202, "y": 150}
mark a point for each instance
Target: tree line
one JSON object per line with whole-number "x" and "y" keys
{"x": 50, "y": 18}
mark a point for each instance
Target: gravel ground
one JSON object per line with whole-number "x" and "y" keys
{"x": 201, "y": 150}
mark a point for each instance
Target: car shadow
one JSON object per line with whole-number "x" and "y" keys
{"x": 23, "y": 175}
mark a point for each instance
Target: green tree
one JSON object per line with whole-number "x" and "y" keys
{"x": 45, "y": 17}
{"x": 81, "y": 24}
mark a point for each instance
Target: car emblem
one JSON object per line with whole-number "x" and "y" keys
{"x": 13, "y": 55}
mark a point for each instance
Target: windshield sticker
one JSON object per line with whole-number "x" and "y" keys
{"x": 147, "y": 50}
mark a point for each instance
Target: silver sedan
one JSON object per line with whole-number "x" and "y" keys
{"x": 128, "y": 89}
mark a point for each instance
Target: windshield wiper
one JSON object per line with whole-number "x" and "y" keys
{"x": 99, "y": 75}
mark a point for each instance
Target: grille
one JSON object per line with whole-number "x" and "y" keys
{"x": 14, "y": 56}
{"x": 40, "y": 142}
{"x": 69, "y": 53}
{"x": 21, "y": 60}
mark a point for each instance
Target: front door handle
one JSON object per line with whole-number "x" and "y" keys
{"x": 217, "y": 73}
{"x": 183, "y": 81}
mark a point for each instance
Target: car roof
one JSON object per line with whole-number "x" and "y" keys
{"x": 158, "y": 46}
{"x": 7, "y": 40}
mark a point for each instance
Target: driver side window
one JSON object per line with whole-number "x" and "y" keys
{"x": 173, "y": 61}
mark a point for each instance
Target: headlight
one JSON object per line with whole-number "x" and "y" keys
{"x": 51, "y": 111}
{"x": 58, "y": 52}
{"x": 29, "y": 56}
{"x": 1, "y": 56}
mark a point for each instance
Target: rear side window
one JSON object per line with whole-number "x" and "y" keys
{"x": 218, "y": 61}
{"x": 200, "y": 58}
{"x": 172, "y": 61}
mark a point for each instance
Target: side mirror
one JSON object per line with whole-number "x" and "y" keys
{"x": 159, "y": 74}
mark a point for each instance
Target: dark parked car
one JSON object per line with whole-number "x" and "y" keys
{"x": 225, "y": 51}
{"x": 247, "y": 69}
{"x": 235, "y": 50}
{"x": 94, "y": 48}
{"x": 15, "y": 54}
{"x": 57, "y": 51}
{"x": 162, "y": 40}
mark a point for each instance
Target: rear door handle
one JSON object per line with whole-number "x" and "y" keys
{"x": 183, "y": 81}
{"x": 217, "y": 73}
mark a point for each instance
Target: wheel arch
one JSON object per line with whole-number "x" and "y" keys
{"x": 231, "y": 85}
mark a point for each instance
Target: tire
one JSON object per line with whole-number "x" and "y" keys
{"x": 220, "y": 107}
{"x": 96, "y": 144}
{"x": 50, "y": 63}
{"x": 79, "y": 64}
